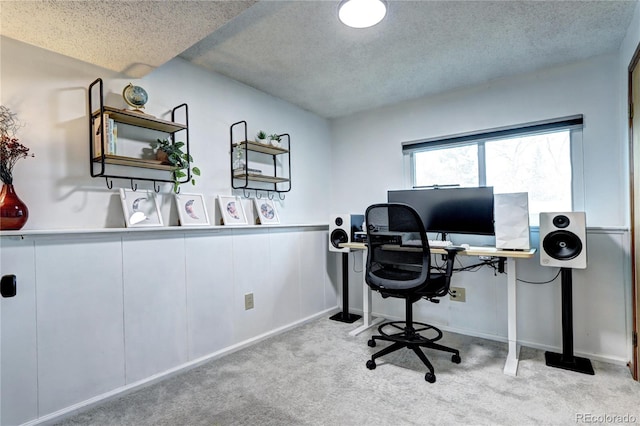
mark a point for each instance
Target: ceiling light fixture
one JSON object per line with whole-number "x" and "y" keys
{"x": 361, "y": 13}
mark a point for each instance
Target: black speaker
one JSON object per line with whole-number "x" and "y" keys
{"x": 342, "y": 228}
{"x": 563, "y": 240}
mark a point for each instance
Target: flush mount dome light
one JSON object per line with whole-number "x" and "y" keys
{"x": 361, "y": 13}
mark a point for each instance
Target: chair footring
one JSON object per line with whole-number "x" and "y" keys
{"x": 397, "y": 331}
{"x": 408, "y": 337}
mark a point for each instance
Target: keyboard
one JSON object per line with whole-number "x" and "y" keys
{"x": 439, "y": 243}
{"x": 432, "y": 243}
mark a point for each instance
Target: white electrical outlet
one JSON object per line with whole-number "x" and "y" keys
{"x": 248, "y": 301}
{"x": 458, "y": 294}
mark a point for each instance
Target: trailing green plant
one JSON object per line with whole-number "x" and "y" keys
{"x": 176, "y": 157}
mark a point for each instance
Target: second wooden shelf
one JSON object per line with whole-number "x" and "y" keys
{"x": 259, "y": 147}
{"x": 136, "y": 162}
{"x": 260, "y": 178}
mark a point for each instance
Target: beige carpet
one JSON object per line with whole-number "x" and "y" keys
{"x": 316, "y": 375}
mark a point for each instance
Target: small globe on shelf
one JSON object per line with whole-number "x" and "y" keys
{"x": 135, "y": 96}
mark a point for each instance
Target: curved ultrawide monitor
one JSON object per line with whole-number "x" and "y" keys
{"x": 450, "y": 210}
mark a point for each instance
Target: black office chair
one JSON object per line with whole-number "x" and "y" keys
{"x": 404, "y": 271}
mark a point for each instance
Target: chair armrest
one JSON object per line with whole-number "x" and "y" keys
{"x": 452, "y": 251}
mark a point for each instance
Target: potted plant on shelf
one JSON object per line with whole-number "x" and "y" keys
{"x": 274, "y": 139}
{"x": 171, "y": 153}
{"x": 13, "y": 212}
{"x": 261, "y": 137}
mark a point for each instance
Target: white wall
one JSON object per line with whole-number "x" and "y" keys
{"x": 100, "y": 311}
{"x": 373, "y": 139}
{"x": 367, "y": 161}
{"x": 49, "y": 93}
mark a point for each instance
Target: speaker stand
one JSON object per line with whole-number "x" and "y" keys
{"x": 345, "y": 316}
{"x": 566, "y": 360}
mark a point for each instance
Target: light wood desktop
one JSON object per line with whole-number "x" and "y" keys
{"x": 511, "y": 365}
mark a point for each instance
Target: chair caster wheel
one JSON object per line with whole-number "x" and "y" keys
{"x": 456, "y": 359}
{"x": 371, "y": 343}
{"x": 371, "y": 364}
{"x": 430, "y": 377}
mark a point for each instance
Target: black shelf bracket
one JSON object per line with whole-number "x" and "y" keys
{"x": 263, "y": 184}
{"x": 97, "y": 164}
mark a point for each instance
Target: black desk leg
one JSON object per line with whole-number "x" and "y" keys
{"x": 345, "y": 316}
{"x": 566, "y": 360}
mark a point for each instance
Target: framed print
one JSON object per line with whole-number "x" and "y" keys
{"x": 266, "y": 209}
{"x": 140, "y": 208}
{"x": 232, "y": 210}
{"x": 191, "y": 209}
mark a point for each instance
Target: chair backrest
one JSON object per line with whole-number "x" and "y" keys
{"x": 392, "y": 267}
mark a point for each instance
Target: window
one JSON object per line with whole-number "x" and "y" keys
{"x": 534, "y": 158}
{"x": 447, "y": 166}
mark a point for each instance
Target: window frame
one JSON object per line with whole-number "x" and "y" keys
{"x": 574, "y": 124}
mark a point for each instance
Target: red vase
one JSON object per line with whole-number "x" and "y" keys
{"x": 13, "y": 212}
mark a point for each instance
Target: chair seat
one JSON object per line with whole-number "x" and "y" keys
{"x": 436, "y": 286}
{"x": 396, "y": 274}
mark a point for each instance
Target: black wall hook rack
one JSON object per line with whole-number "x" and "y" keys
{"x": 260, "y": 193}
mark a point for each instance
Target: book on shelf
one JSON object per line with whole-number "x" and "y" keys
{"x": 110, "y": 135}
{"x": 113, "y": 137}
{"x": 97, "y": 136}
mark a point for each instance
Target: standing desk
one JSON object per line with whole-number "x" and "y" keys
{"x": 511, "y": 365}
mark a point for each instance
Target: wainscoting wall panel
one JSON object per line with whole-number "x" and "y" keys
{"x": 101, "y": 312}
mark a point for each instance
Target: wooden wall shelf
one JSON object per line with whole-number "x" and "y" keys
{"x": 141, "y": 119}
{"x": 134, "y": 162}
{"x": 260, "y": 147}
{"x": 98, "y": 157}
{"x": 260, "y": 178}
{"x": 277, "y": 160}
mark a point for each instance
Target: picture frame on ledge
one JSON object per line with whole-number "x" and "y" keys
{"x": 140, "y": 208}
{"x": 232, "y": 210}
{"x": 192, "y": 210}
{"x": 266, "y": 211}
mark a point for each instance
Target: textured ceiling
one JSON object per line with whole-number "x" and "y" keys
{"x": 132, "y": 37}
{"x": 298, "y": 51}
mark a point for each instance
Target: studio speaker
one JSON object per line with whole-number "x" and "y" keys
{"x": 563, "y": 243}
{"x": 563, "y": 240}
{"x": 511, "y": 221}
{"x": 342, "y": 228}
